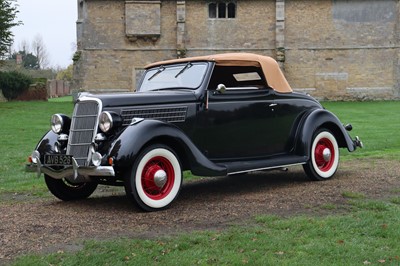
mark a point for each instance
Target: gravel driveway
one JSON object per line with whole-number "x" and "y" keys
{"x": 50, "y": 225}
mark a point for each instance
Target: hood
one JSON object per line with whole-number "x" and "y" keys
{"x": 145, "y": 98}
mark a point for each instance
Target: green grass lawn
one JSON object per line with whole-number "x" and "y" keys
{"x": 377, "y": 124}
{"x": 367, "y": 234}
{"x": 22, "y": 126}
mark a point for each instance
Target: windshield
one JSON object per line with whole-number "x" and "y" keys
{"x": 187, "y": 76}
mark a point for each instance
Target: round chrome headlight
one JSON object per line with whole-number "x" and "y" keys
{"x": 96, "y": 159}
{"x": 57, "y": 123}
{"x": 105, "y": 122}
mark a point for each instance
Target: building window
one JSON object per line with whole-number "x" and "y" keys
{"x": 222, "y": 9}
{"x": 231, "y": 10}
{"x": 212, "y": 10}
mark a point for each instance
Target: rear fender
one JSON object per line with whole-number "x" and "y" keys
{"x": 136, "y": 137}
{"x": 321, "y": 118}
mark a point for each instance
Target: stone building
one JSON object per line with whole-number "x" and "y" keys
{"x": 332, "y": 49}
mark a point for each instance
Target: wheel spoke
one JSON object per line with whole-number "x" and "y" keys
{"x": 324, "y": 154}
{"x": 157, "y": 186}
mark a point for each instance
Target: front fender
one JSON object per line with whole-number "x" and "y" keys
{"x": 135, "y": 137}
{"x": 46, "y": 144}
{"x": 318, "y": 118}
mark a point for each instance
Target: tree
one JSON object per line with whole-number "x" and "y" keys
{"x": 40, "y": 51}
{"x": 24, "y": 46}
{"x": 8, "y": 13}
{"x": 65, "y": 74}
{"x": 29, "y": 60}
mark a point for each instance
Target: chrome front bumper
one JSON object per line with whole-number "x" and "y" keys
{"x": 80, "y": 174}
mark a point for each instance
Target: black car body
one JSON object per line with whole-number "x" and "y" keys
{"x": 213, "y": 115}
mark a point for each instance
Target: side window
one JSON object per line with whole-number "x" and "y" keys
{"x": 222, "y": 9}
{"x": 235, "y": 78}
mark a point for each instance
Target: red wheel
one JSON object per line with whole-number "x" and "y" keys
{"x": 155, "y": 179}
{"x": 324, "y": 159}
{"x": 324, "y": 154}
{"x": 158, "y": 177}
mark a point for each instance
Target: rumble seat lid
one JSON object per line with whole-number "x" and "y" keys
{"x": 270, "y": 67}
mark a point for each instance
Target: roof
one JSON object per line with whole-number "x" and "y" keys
{"x": 270, "y": 67}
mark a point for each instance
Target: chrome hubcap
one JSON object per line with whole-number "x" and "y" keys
{"x": 160, "y": 178}
{"x": 327, "y": 154}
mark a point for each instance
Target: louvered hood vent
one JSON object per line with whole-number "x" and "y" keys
{"x": 172, "y": 114}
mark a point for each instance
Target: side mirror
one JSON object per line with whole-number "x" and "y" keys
{"x": 221, "y": 88}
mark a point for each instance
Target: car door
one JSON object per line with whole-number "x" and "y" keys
{"x": 238, "y": 124}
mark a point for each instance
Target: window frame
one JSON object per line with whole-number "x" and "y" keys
{"x": 215, "y": 12}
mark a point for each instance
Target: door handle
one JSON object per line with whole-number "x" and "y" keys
{"x": 273, "y": 104}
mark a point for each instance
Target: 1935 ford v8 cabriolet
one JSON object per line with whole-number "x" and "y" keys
{"x": 214, "y": 115}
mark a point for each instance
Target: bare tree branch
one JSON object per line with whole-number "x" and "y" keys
{"x": 40, "y": 51}
{"x": 24, "y": 46}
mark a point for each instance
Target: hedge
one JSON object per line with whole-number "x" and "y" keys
{"x": 13, "y": 84}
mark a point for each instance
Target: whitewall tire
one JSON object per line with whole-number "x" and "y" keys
{"x": 155, "y": 179}
{"x": 324, "y": 156}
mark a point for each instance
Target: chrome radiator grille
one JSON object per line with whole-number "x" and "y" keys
{"x": 83, "y": 130}
{"x": 167, "y": 114}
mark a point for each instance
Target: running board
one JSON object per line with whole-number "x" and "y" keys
{"x": 259, "y": 165}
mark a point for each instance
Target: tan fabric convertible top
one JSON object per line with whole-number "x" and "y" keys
{"x": 270, "y": 67}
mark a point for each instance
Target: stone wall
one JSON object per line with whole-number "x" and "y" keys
{"x": 252, "y": 29}
{"x": 57, "y": 88}
{"x": 332, "y": 49}
{"x": 349, "y": 49}
{"x": 110, "y": 57}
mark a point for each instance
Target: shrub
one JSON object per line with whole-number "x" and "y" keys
{"x": 14, "y": 83}
{"x": 39, "y": 80}
{"x": 36, "y": 92}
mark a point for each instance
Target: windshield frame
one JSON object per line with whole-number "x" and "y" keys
{"x": 195, "y": 73}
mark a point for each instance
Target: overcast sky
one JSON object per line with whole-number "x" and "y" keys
{"x": 55, "y": 21}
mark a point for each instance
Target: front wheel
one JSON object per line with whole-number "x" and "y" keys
{"x": 68, "y": 191}
{"x": 324, "y": 156}
{"x": 155, "y": 179}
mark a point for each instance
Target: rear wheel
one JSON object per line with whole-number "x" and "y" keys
{"x": 324, "y": 156}
{"x": 155, "y": 179}
{"x": 68, "y": 191}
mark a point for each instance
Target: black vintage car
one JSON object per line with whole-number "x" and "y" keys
{"x": 214, "y": 115}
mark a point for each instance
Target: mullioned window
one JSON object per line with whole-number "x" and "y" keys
{"x": 222, "y": 9}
